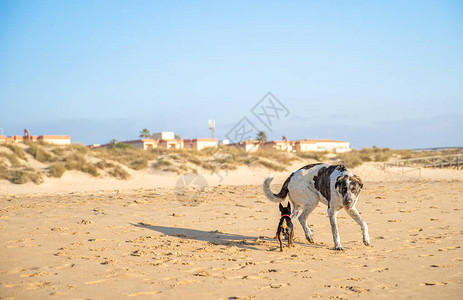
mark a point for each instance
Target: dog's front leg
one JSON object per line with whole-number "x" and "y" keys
{"x": 353, "y": 212}
{"x": 334, "y": 229}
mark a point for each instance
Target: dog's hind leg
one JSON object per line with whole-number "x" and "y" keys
{"x": 353, "y": 212}
{"x": 281, "y": 243}
{"x": 297, "y": 209}
{"x": 291, "y": 237}
{"x": 303, "y": 220}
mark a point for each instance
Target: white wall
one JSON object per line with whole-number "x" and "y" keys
{"x": 164, "y": 135}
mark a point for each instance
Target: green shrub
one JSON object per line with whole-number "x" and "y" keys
{"x": 121, "y": 146}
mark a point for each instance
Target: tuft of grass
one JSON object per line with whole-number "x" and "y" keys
{"x": 39, "y": 153}
{"x": 79, "y": 148}
{"x": 119, "y": 173}
{"x": 210, "y": 166}
{"x": 162, "y": 163}
{"x": 318, "y": 156}
{"x": 11, "y": 158}
{"x": 351, "y": 159}
{"x": 18, "y": 151}
{"x": 22, "y": 176}
{"x": 103, "y": 164}
{"x": 127, "y": 155}
{"x": 56, "y": 170}
{"x": 172, "y": 169}
{"x": 272, "y": 166}
{"x": 77, "y": 161}
{"x": 58, "y": 151}
{"x": 74, "y": 161}
{"x": 139, "y": 164}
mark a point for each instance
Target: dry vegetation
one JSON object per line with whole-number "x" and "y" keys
{"x": 31, "y": 162}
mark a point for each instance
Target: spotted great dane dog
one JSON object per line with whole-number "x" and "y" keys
{"x": 332, "y": 185}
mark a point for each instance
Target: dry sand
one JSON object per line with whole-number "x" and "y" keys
{"x": 79, "y": 238}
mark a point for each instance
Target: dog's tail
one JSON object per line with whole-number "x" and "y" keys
{"x": 270, "y": 195}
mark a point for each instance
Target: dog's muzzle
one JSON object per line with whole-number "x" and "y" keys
{"x": 347, "y": 202}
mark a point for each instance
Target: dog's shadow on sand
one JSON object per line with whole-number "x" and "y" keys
{"x": 217, "y": 237}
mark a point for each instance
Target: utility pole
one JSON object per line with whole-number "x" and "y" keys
{"x": 211, "y": 127}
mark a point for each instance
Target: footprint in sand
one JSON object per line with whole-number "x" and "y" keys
{"x": 35, "y": 274}
{"x": 143, "y": 293}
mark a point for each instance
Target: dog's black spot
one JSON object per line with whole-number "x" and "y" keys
{"x": 322, "y": 180}
{"x": 356, "y": 184}
{"x": 341, "y": 184}
{"x": 310, "y": 166}
{"x": 284, "y": 189}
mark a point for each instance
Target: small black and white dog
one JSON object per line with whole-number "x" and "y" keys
{"x": 285, "y": 226}
{"x": 332, "y": 185}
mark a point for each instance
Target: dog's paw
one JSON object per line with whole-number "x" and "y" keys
{"x": 366, "y": 242}
{"x": 338, "y": 248}
{"x": 310, "y": 239}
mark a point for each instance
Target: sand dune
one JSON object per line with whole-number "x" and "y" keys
{"x": 102, "y": 240}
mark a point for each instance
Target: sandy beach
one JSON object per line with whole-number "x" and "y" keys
{"x": 218, "y": 244}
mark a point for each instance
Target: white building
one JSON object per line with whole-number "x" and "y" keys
{"x": 165, "y": 135}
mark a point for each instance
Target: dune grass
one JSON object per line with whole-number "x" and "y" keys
{"x": 39, "y": 153}
{"x": 114, "y": 160}
{"x": 56, "y": 170}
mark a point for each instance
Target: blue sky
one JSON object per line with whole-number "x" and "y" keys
{"x": 384, "y": 73}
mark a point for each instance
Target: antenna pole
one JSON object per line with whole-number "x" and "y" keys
{"x": 211, "y": 127}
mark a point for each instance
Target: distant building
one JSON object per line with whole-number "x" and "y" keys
{"x": 294, "y": 146}
{"x": 201, "y": 143}
{"x": 52, "y": 139}
{"x": 165, "y": 135}
{"x": 171, "y": 144}
{"x": 284, "y": 146}
{"x": 145, "y": 144}
{"x": 320, "y": 145}
{"x": 248, "y": 145}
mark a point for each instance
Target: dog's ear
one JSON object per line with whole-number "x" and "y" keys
{"x": 289, "y": 206}
{"x": 359, "y": 181}
{"x": 281, "y": 207}
{"x": 339, "y": 180}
